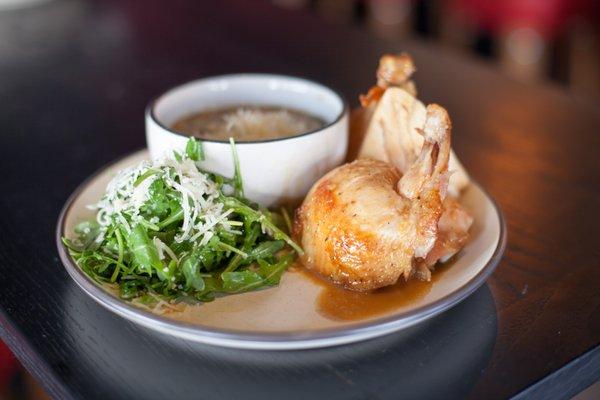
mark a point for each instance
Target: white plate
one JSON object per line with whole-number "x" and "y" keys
{"x": 287, "y": 316}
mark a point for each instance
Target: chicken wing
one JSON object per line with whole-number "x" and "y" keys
{"x": 387, "y": 125}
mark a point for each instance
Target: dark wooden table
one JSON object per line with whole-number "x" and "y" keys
{"x": 74, "y": 80}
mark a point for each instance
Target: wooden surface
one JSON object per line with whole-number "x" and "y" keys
{"x": 74, "y": 80}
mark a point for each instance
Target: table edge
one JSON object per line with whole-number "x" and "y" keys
{"x": 567, "y": 381}
{"x": 36, "y": 366}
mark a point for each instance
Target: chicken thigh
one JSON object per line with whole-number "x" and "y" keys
{"x": 364, "y": 225}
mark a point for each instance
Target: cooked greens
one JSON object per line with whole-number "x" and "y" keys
{"x": 167, "y": 231}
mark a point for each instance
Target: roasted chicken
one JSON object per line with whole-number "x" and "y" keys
{"x": 386, "y": 216}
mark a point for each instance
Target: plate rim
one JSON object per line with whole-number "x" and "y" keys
{"x": 268, "y": 340}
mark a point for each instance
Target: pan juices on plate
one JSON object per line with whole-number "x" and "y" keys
{"x": 393, "y": 213}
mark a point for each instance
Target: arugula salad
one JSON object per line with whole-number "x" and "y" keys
{"x": 167, "y": 231}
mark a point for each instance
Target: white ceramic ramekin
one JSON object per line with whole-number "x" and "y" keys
{"x": 273, "y": 171}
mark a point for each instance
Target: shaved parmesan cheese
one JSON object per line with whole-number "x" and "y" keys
{"x": 129, "y": 190}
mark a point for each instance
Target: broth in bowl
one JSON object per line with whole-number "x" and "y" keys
{"x": 277, "y": 165}
{"x": 247, "y": 123}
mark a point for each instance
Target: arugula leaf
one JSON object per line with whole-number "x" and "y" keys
{"x": 243, "y": 209}
{"x": 265, "y": 250}
{"x": 158, "y": 203}
{"x": 131, "y": 288}
{"x": 267, "y": 275}
{"x": 241, "y": 281}
{"x": 190, "y": 266}
{"x": 271, "y": 273}
{"x": 194, "y": 150}
{"x": 143, "y": 250}
{"x": 143, "y": 177}
{"x": 237, "y": 174}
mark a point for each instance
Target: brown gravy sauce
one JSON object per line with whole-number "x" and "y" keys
{"x": 340, "y": 304}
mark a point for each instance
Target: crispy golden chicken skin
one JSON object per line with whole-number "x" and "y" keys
{"x": 349, "y": 223}
{"x": 363, "y": 225}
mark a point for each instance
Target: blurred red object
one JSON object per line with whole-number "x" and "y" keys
{"x": 8, "y": 365}
{"x": 548, "y": 17}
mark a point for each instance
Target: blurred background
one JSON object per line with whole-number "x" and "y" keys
{"x": 534, "y": 41}
{"x": 530, "y": 40}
